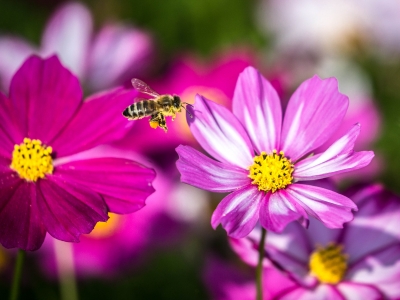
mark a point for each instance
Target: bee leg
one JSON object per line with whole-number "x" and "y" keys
{"x": 162, "y": 123}
{"x": 155, "y": 120}
{"x": 158, "y": 120}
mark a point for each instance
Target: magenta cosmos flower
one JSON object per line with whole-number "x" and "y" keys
{"x": 115, "y": 54}
{"x": 48, "y": 181}
{"x": 361, "y": 261}
{"x": 264, "y": 161}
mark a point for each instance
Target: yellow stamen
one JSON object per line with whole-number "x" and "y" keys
{"x": 329, "y": 264}
{"x": 31, "y": 160}
{"x": 271, "y": 172}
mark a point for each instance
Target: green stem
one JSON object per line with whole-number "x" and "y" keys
{"x": 17, "y": 275}
{"x": 259, "y": 265}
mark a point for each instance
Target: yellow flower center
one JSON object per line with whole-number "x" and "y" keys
{"x": 31, "y": 160}
{"x": 271, "y": 172}
{"x": 329, "y": 264}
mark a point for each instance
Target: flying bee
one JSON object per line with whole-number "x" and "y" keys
{"x": 156, "y": 108}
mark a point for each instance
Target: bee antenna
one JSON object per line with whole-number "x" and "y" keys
{"x": 186, "y": 109}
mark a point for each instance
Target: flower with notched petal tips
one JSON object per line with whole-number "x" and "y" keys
{"x": 50, "y": 179}
{"x": 264, "y": 159}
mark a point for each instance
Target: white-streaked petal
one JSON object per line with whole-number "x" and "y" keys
{"x": 203, "y": 172}
{"x": 314, "y": 113}
{"x": 238, "y": 212}
{"x": 258, "y": 107}
{"x": 338, "y": 158}
{"x": 329, "y": 207}
{"x": 220, "y": 133}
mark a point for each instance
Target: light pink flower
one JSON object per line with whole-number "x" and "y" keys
{"x": 274, "y": 193}
{"x": 331, "y": 27}
{"x": 371, "y": 242}
{"x": 104, "y": 60}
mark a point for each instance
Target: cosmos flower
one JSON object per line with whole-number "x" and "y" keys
{"x": 361, "y": 261}
{"x": 115, "y": 54}
{"x": 265, "y": 162}
{"x": 50, "y": 180}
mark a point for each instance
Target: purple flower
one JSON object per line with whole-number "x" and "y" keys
{"x": 362, "y": 261}
{"x": 269, "y": 186}
{"x": 107, "y": 59}
{"x": 52, "y": 178}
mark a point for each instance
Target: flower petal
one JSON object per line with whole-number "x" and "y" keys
{"x": 338, "y": 158}
{"x": 238, "y": 212}
{"x": 322, "y": 291}
{"x": 220, "y": 133}
{"x": 46, "y": 96}
{"x": 329, "y": 207}
{"x": 20, "y": 218}
{"x": 289, "y": 249}
{"x": 280, "y": 209}
{"x": 124, "y": 184}
{"x": 314, "y": 113}
{"x": 68, "y": 34}
{"x": 353, "y": 290}
{"x": 381, "y": 270}
{"x": 258, "y": 107}
{"x": 67, "y": 209}
{"x": 9, "y": 133}
{"x": 13, "y": 52}
{"x": 205, "y": 173}
{"x": 98, "y": 121}
{"x": 118, "y": 52}
{"x": 376, "y": 226}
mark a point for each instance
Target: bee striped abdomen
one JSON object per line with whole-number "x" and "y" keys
{"x": 140, "y": 109}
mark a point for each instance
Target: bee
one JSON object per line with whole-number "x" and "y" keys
{"x": 156, "y": 108}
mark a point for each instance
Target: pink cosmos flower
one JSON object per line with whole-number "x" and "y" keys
{"x": 332, "y": 27}
{"x": 362, "y": 261}
{"x": 49, "y": 181}
{"x": 264, "y": 162}
{"x": 104, "y": 60}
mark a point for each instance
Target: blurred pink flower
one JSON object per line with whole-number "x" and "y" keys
{"x": 49, "y": 179}
{"x": 331, "y": 27}
{"x": 270, "y": 186}
{"x": 187, "y": 77}
{"x": 370, "y": 246}
{"x": 100, "y": 61}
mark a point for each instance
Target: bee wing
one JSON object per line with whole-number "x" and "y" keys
{"x": 143, "y": 87}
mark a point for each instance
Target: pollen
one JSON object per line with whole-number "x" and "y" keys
{"x": 32, "y": 160}
{"x": 271, "y": 172}
{"x": 329, "y": 264}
